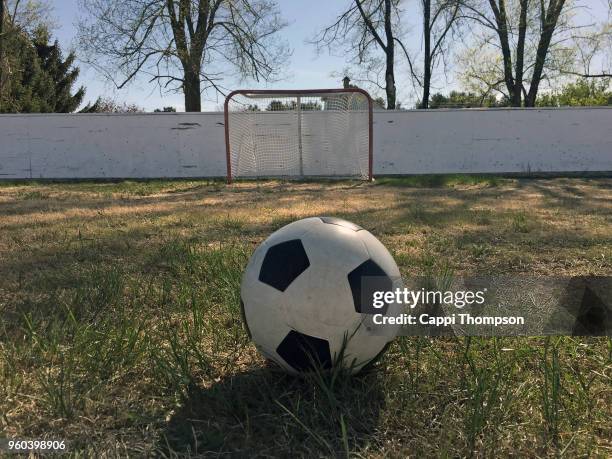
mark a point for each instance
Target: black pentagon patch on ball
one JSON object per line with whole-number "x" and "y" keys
{"x": 366, "y": 279}
{"x": 283, "y": 263}
{"x": 303, "y": 352}
{"x": 340, "y": 222}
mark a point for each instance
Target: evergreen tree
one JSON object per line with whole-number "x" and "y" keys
{"x": 35, "y": 77}
{"x": 61, "y": 77}
{"x": 22, "y": 78}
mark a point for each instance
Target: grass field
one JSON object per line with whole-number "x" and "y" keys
{"x": 121, "y": 333}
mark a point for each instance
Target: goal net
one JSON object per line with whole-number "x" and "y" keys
{"x": 294, "y": 134}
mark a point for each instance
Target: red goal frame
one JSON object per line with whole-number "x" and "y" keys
{"x": 298, "y": 92}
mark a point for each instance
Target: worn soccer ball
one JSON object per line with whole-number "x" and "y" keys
{"x": 303, "y": 300}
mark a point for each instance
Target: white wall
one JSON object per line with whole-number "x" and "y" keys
{"x": 112, "y": 146}
{"x": 493, "y": 140}
{"x": 406, "y": 142}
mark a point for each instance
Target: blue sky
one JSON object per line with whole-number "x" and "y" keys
{"x": 306, "y": 69}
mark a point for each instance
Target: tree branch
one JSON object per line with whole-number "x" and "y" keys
{"x": 369, "y": 25}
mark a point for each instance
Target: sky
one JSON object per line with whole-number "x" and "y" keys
{"x": 306, "y": 69}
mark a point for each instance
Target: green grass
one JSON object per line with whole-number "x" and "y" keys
{"x": 520, "y": 222}
{"x": 438, "y": 181}
{"x": 127, "y": 187}
{"x": 121, "y": 329}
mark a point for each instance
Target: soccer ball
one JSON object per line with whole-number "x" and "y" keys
{"x": 302, "y": 298}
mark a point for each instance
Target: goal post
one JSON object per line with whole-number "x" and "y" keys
{"x": 299, "y": 133}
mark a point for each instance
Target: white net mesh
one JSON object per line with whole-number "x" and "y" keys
{"x": 306, "y": 135}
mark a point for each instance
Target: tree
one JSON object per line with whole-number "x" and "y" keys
{"x": 62, "y": 75}
{"x": 16, "y": 17}
{"x": 30, "y": 15}
{"x": 460, "y": 99}
{"x": 3, "y": 71}
{"x": 165, "y": 110}
{"x": 379, "y": 102}
{"x": 180, "y": 44}
{"x": 592, "y": 50}
{"x": 439, "y": 18}
{"x": 368, "y": 28}
{"x": 23, "y": 79}
{"x": 583, "y": 92}
{"x": 524, "y": 32}
{"x": 36, "y": 78}
{"x": 277, "y": 105}
{"x": 110, "y": 105}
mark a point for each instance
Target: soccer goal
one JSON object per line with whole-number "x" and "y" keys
{"x": 299, "y": 133}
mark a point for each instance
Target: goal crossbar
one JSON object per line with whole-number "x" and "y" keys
{"x": 244, "y": 120}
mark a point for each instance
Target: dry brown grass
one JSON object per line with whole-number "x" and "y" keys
{"x": 559, "y": 226}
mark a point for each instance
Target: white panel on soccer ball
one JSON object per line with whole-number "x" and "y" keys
{"x": 333, "y": 251}
{"x": 293, "y": 230}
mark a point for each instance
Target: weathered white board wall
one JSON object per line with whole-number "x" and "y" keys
{"x": 494, "y": 141}
{"x": 405, "y": 142}
{"x": 112, "y": 146}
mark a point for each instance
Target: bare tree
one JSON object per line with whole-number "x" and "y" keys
{"x": 110, "y": 105}
{"x": 30, "y": 15}
{"x": 592, "y": 49}
{"x": 439, "y": 19}
{"x": 2, "y": 65}
{"x": 183, "y": 45}
{"x": 523, "y": 31}
{"x": 367, "y": 29}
